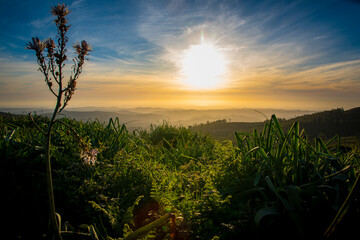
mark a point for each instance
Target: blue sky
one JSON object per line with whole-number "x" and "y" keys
{"x": 280, "y": 54}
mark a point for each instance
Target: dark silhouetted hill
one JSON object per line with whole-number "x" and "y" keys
{"x": 329, "y": 123}
{"x": 324, "y": 124}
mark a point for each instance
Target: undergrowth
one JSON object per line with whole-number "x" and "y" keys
{"x": 271, "y": 184}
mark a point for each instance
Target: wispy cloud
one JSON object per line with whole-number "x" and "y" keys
{"x": 261, "y": 41}
{"x": 76, "y": 3}
{"x": 42, "y": 23}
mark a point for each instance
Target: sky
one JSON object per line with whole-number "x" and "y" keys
{"x": 301, "y": 54}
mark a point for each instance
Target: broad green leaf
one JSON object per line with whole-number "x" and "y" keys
{"x": 264, "y": 212}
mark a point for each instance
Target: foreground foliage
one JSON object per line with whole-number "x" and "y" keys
{"x": 272, "y": 184}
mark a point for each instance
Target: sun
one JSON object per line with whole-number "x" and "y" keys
{"x": 202, "y": 66}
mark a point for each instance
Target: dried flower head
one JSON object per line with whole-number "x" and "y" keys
{"x": 61, "y": 10}
{"x": 82, "y": 49}
{"x": 50, "y": 45}
{"x": 36, "y": 45}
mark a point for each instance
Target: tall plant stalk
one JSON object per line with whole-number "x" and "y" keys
{"x": 52, "y": 65}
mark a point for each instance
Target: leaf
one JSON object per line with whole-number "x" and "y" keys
{"x": 257, "y": 177}
{"x": 270, "y": 184}
{"x": 252, "y": 150}
{"x": 278, "y": 126}
{"x": 8, "y": 138}
{"x": 345, "y": 206}
{"x": 283, "y": 201}
{"x": 93, "y": 233}
{"x": 264, "y": 212}
{"x": 293, "y": 193}
{"x": 85, "y": 227}
{"x": 143, "y": 230}
{"x": 262, "y": 152}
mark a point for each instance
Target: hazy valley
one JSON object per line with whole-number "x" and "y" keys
{"x": 136, "y": 118}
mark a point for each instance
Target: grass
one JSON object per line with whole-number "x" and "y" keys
{"x": 270, "y": 184}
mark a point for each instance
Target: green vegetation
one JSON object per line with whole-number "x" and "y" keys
{"x": 110, "y": 182}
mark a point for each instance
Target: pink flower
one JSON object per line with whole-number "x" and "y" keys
{"x": 89, "y": 157}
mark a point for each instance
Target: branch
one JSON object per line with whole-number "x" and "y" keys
{"x": 78, "y": 138}
{"x": 49, "y": 84}
{"x": 52, "y": 68}
{"x": 37, "y": 126}
{"x": 45, "y": 70}
{"x": 65, "y": 101}
{"x": 52, "y": 91}
{"x": 62, "y": 108}
{"x": 50, "y": 47}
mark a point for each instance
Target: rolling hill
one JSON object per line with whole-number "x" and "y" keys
{"x": 324, "y": 124}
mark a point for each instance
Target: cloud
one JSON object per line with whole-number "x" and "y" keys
{"x": 340, "y": 79}
{"x": 320, "y": 37}
{"x": 340, "y": 76}
{"x": 42, "y": 23}
{"x": 254, "y": 39}
{"x": 76, "y": 3}
{"x": 176, "y": 26}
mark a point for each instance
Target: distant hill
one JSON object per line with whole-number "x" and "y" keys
{"x": 136, "y": 118}
{"x": 324, "y": 124}
{"x": 8, "y": 115}
{"x": 131, "y": 119}
{"x": 330, "y": 123}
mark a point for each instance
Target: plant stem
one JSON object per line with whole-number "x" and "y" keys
{"x": 53, "y": 221}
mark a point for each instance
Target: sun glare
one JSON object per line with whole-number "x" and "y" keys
{"x": 203, "y": 66}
